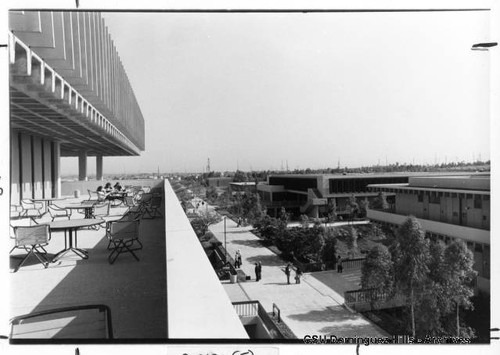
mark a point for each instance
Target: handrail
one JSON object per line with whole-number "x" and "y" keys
{"x": 253, "y": 309}
{"x": 279, "y": 312}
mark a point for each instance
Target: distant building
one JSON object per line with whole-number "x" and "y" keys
{"x": 243, "y": 187}
{"x": 311, "y": 193}
{"x": 221, "y": 182}
{"x": 447, "y": 207}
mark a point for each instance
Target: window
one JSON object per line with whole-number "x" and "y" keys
{"x": 478, "y": 203}
{"x": 420, "y": 197}
{"x": 434, "y": 198}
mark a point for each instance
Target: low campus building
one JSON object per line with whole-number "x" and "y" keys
{"x": 311, "y": 194}
{"x": 447, "y": 207}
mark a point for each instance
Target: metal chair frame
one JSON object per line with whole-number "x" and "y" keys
{"x": 123, "y": 235}
{"x": 56, "y": 211}
{"x": 29, "y": 205}
{"x": 38, "y": 238}
{"x": 153, "y": 208}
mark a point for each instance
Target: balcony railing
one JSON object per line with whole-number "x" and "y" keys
{"x": 255, "y": 309}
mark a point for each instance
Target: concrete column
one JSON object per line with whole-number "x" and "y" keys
{"x": 56, "y": 169}
{"x": 82, "y": 166}
{"x": 15, "y": 169}
{"x": 37, "y": 167}
{"x": 98, "y": 168}
{"x": 47, "y": 166}
{"x": 26, "y": 172}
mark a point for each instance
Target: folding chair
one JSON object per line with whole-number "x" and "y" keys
{"x": 123, "y": 236}
{"x": 29, "y": 206}
{"x": 153, "y": 208}
{"x": 78, "y": 322}
{"x": 56, "y": 211}
{"x": 30, "y": 238}
{"x": 133, "y": 208}
{"x": 100, "y": 210}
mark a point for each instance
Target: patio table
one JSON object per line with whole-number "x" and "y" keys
{"x": 47, "y": 201}
{"x": 88, "y": 208}
{"x": 71, "y": 226}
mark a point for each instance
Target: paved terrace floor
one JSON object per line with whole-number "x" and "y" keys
{"x": 315, "y": 306}
{"x": 135, "y": 291}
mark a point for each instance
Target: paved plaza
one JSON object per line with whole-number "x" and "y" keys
{"x": 309, "y": 308}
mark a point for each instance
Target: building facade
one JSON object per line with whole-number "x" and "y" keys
{"x": 69, "y": 97}
{"x": 447, "y": 207}
{"x": 312, "y": 193}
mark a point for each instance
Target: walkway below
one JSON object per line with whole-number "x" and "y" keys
{"x": 309, "y": 308}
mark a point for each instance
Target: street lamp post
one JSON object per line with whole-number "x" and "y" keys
{"x": 225, "y": 250}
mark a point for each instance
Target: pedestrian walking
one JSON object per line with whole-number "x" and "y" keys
{"x": 339, "y": 264}
{"x": 237, "y": 259}
{"x": 239, "y": 222}
{"x": 256, "y": 272}
{"x": 298, "y": 273}
{"x": 287, "y": 272}
{"x": 260, "y": 270}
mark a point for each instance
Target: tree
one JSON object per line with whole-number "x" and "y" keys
{"x": 240, "y": 176}
{"x": 352, "y": 240}
{"x": 380, "y": 202}
{"x": 434, "y": 303}
{"x": 203, "y": 221}
{"x": 304, "y": 221}
{"x": 267, "y": 226}
{"x": 458, "y": 261}
{"x": 377, "y": 269}
{"x": 352, "y": 207}
{"x": 329, "y": 252}
{"x": 211, "y": 194}
{"x": 363, "y": 208}
{"x": 331, "y": 209}
{"x": 411, "y": 262}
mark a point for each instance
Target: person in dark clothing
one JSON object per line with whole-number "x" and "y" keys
{"x": 256, "y": 272}
{"x": 287, "y": 272}
{"x": 298, "y": 273}
{"x": 260, "y": 270}
{"x": 339, "y": 264}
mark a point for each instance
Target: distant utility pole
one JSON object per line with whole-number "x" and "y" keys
{"x": 287, "y": 165}
{"x": 208, "y": 165}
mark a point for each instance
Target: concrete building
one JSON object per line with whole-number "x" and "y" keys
{"x": 311, "y": 193}
{"x": 447, "y": 207}
{"x": 69, "y": 97}
{"x": 220, "y": 182}
{"x": 242, "y": 187}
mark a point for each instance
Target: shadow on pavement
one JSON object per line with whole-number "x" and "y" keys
{"x": 248, "y": 243}
{"x": 330, "y": 314}
{"x": 266, "y": 260}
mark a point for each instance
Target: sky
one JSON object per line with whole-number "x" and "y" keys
{"x": 262, "y": 91}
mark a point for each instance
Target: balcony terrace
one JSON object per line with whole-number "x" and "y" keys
{"x": 135, "y": 291}
{"x": 171, "y": 293}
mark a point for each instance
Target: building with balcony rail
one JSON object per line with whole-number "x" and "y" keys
{"x": 69, "y": 97}
{"x": 447, "y": 207}
{"x": 310, "y": 194}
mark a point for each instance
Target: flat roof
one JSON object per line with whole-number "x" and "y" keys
{"x": 419, "y": 188}
{"x": 372, "y": 175}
